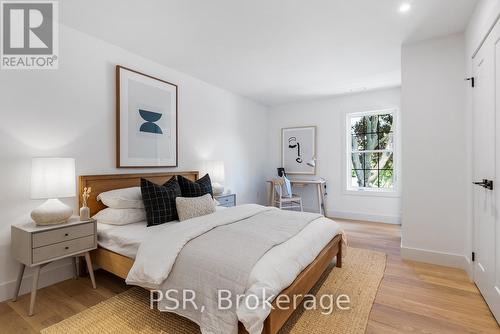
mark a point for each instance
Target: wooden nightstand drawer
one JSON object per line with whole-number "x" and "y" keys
{"x": 62, "y": 234}
{"x": 61, "y": 249}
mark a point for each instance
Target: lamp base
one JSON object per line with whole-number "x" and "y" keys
{"x": 52, "y": 212}
{"x": 217, "y": 188}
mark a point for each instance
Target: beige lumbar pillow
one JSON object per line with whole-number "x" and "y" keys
{"x": 191, "y": 207}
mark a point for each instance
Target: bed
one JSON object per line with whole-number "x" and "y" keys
{"x": 118, "y": 245}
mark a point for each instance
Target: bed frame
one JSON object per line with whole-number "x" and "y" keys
{"x": 120, "y": 265}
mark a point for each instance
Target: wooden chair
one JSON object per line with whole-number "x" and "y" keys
{"x": 285, "y": 202}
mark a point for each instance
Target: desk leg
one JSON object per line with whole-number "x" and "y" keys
{"x": 268, "y": 194}
{"x": 18, "y": 282}
{"x": 272, "y": 196}
{"x": 320, "y": 198}
{"x": 34, "y": 288}
{"x": 322, "y": 192}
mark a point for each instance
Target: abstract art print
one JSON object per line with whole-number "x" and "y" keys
{"x": 146, "y": 120}
{"x": 298, "y": 150}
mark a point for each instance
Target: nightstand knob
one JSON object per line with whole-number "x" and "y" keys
{"x": 66, "y": 234}
{"x": 66, "y": 247}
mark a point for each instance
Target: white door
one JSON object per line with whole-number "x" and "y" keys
{"x": 486, "y": 164}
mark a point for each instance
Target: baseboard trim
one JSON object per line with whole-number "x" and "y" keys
{"x": 435, "y": 257}
{"x": 311, "y": 209}
{"x": 49, "y": 275}
{"x": 469, "y": 268}
{"x": 363, "y": 216}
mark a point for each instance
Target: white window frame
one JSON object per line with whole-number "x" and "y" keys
{"x": 347, "y": 186}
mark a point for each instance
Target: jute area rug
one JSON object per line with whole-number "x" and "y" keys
{"x": 129, "y": 311}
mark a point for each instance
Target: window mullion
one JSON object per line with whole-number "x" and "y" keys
{"x": 372, "y": 151}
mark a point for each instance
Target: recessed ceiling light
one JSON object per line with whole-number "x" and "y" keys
{"x": 404, "y": 7}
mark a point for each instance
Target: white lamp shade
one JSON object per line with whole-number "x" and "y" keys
{"x": 216, "y": 170}
{"x": 53, "y": 178}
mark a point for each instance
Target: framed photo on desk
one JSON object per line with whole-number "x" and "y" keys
{"x": 298, "y": 148}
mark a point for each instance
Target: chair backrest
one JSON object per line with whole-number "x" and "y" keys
{"x": 282, "y": 187}
{"x": 278, "y": 186}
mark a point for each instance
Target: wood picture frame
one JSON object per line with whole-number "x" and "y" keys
{"x": 147, "y": 110}
{"x": 298, "y": 147}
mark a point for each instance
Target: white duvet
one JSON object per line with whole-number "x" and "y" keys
{"x": 275, "y": 271}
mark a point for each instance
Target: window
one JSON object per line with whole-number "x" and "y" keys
{"x": 370, "y": 151}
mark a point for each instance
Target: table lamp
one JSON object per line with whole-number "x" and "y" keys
{"x": 51, "y": 179}
{"x": 216, "y": 171}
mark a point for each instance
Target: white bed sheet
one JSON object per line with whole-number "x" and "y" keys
{"x": 125, "y": 239}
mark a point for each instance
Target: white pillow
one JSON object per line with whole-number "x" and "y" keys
{"x": 191, "y": 207}
{"x": 120, "y": 216}
{"x": 126, "y": 198}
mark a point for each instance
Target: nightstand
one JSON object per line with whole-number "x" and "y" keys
{"x": 36, "y": 246}
{"x": 226, "y": 200}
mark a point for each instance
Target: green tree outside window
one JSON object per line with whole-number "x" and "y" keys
{"x": 372, "y": 156}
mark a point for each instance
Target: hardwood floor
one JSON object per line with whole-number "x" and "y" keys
{"x": 58, "y": 302}
{"x": 413, "y": 297}
{"x": 417, "y": 297}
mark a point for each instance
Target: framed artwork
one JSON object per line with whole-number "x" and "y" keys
{"x": 298, "y": 150}
{"x": 146, "y": 119}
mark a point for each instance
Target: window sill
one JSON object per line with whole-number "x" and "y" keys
{"x": 372, "y": 193}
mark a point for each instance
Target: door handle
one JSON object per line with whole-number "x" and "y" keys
{"x": 487, "y": 184}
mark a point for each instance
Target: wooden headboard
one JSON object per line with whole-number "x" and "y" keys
{"x": 102, "y": 183}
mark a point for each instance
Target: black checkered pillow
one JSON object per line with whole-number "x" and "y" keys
{"x": 159, "y": 201}
{"x": 195, "y": 189}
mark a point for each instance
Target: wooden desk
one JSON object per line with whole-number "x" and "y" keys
{"x": 320, "y": 186}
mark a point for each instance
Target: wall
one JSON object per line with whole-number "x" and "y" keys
{"x": 329, "y": 117}
{"x": 71, "y": 112}
{"x": 484, "y": 16}
{"x": 434, "y": 198}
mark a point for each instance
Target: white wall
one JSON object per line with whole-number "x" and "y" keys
{"x": 484, "y": 16}
{"x": 71, "y": 112}
{"x": 329, "y": 117}
{"x": 434, "y": 198}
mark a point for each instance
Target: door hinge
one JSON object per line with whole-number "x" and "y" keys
{"x": 472, "y": 81}
{"x": 473, "y": 256}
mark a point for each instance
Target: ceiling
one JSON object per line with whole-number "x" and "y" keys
{"x": 272, "y": 51}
